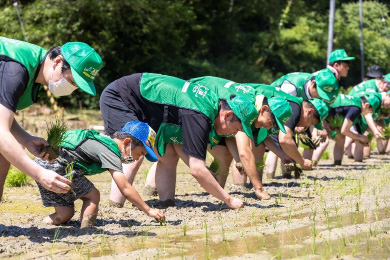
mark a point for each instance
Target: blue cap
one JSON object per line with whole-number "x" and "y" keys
{"x": 143, "y": 132}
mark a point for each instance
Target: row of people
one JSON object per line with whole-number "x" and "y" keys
{"x": 189, "y": 117}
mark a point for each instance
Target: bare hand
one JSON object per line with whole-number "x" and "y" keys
{"x": 323, "y": 135}
{"x": 363, "y": 139}
{"x": 262, "y": 194}
{"x": 54, "y": 182}
{"x": 156, "y": 214}
{"x": 34, "y": 145}
{"x": 307, "y": 164}
{"x": 234, "y": 203}
{"x": 299, "y": 129}
{"x": 317, "y": 141}
{"x": 379, "y": 135}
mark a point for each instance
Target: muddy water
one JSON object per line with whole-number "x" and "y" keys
{"x": 293, "y": 243}
{"x": 332, "y": 212}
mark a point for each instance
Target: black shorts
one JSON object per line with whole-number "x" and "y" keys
{"x": 115, "y": 112}
{"x": 81, "y": 186}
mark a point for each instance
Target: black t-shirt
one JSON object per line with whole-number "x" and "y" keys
{"x": 350, "y": 112}
{"x": 296, "y": 115}
{"x": 196, "y": 126}
{"x": 13, "y": 82}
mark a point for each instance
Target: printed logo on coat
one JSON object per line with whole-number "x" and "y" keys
{"x": 200, "y": 90}
{"x": 245, "y": 88}
{"x": 174, "y": 140}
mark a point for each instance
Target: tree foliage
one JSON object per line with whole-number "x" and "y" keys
{"x": 246, "y": 41}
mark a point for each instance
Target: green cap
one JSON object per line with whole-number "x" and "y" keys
{"x": 246, "y": 111}
{"x": 387, "y": 77}
{"x": 84, "y": 63}
{"x": 375, "y": 100}
{"x": 339, "y": 54}
{"x": 327, "y": 85}
{"x": 322, "y": 110}
{"x": 281, "y": 110}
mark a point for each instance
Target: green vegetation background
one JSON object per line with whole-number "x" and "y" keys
{"x": 245, "y": 41}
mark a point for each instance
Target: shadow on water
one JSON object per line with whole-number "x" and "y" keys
{"x": 41, "y": 235}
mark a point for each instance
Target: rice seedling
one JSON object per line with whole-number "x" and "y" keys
{"x": 16, "y": 178}
{"x": 54, "y": 241}
{"x": 335, "y": 123}
{"x": 185, "y": 227}
{"x": 222, "y": 228}
{"x": 207, "y": 245}
{"x": 55, "y": 135}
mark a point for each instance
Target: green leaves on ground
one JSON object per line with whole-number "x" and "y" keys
{"x": 16, "y": 178}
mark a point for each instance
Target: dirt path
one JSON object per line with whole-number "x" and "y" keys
{"x": 331, "y": 212}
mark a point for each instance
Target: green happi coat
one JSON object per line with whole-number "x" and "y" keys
{"x": 179, "y": 93}
{"x": 225, "y": 88}
{"x": 298, "y": 79}
{"x": 29, "y": 56}
{"x": 271, "y": 91}
{"x": 365, "y": 87}
{"x": 347, "y": 100}
{"x": 76, "y": 137}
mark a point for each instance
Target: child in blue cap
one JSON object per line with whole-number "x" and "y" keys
{"x": 86, "y": 152}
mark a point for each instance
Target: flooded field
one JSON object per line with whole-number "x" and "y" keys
{"x": 330, "y": 213}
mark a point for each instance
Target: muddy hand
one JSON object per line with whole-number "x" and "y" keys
{"x": 234, "y": 203}
{"x": 240, "y": 168}
{"x": 54, "y": 182}
{"x": 379, "y": 135}
{"x": 307, "y": 164}
{"x": 35, "y": 144}
{"x": 156, "y": 214}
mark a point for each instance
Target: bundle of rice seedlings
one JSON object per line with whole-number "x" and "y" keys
{"x": 386, "y": 133}
{"x": 260, "y": 164}
{"x": 385, "y": 112}
{"x": 297, "y": 171}
{"x": 214, "y": 166}
{"x": 55, "y": 134}
{"x": 307, "y": 141}
{"x": 336, "y": 122}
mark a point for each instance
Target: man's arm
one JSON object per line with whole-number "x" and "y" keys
{"x": 247, "y": 159}
{"x": 207, "y": 181}
{"x": 13, "y": 152}
{"x": 289, "y": 147}
{"x": 345, "y": 130}
{"x": 132, "y": 195}
{"x": 275, "y": 149}
{"x": 371, "y": 124}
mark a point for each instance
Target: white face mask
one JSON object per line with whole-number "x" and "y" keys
{"x": 61, "y": 87}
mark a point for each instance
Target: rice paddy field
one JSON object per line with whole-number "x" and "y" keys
{"x": 331, "y": 212}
